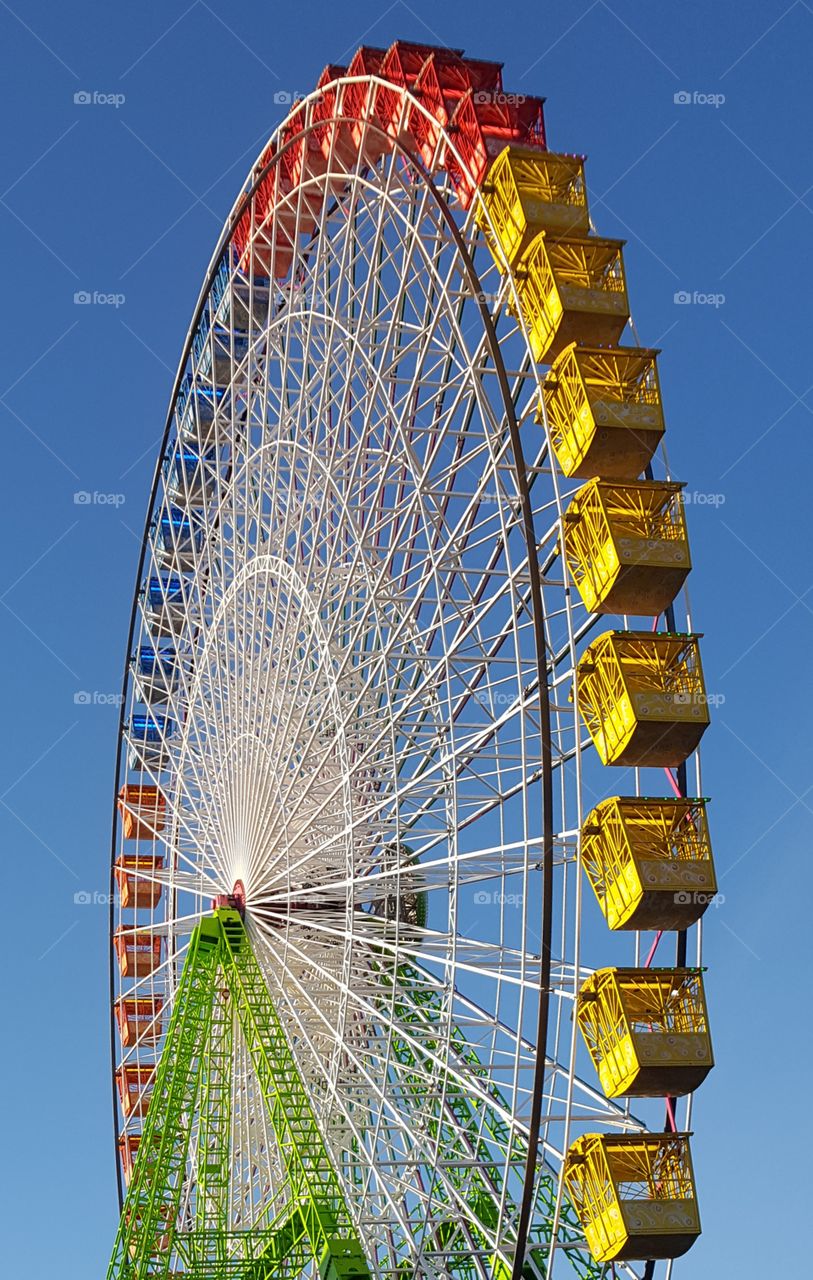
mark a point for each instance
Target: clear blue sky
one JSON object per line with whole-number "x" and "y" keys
{"x": 128, "y": 200}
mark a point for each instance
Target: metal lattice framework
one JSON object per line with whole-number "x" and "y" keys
{"x": 346, "y": 714}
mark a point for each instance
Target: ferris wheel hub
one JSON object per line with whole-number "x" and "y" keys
{"x": 236, "y": 900}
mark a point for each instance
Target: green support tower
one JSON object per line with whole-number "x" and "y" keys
{"x": 158, "y": 1235}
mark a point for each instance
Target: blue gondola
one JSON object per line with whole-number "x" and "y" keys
{"x": 180, "y": 537}
{"x": 158, "y": 673}
{"x": 228, "y": 346}
{"x": 166, "y": 591}
{"x": 150, "y": 726}
{"x": 148, "y": 732}
{"x": 196, "y": 413}
{"x": 251, "y": 301}
{"x": 194, "y": 475}
{"x": 167, "y": 598}
{"x": 231, "y": 287}
{"x": 202, "y": 403}
{"x": 156, "y": 662}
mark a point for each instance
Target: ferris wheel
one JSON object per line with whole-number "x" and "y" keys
{"x": 408, "y": 807}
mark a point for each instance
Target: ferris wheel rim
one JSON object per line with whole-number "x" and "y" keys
{"x": 227, "y": 235}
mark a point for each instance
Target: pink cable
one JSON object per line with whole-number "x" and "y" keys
{"x": 673, "y": 783}
{"x": 653, "y": 948}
